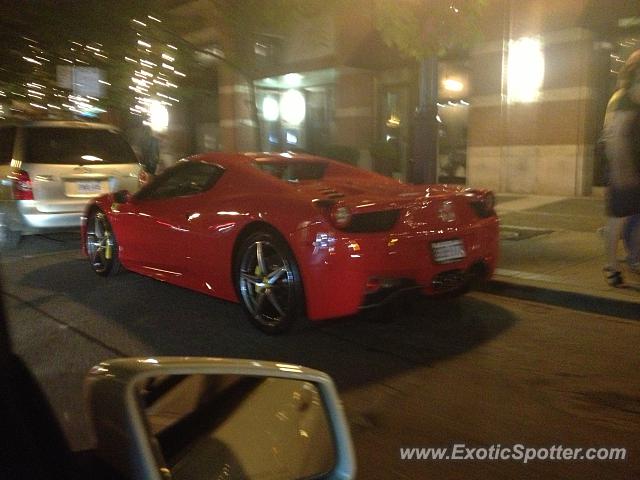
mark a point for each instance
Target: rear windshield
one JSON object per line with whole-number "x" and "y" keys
{"x": 7, "y": 134}
{"x": 293, "y": 171}
{"x": 76, "y": 146}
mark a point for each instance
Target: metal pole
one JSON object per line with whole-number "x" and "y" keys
{"x": 424, "y": 153}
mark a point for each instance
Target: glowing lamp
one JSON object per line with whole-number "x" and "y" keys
{"x": 292, "y": 107}
{"x": 270, "y": 109}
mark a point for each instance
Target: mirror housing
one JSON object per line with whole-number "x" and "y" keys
{"x": 122, "y": 196}
{"x": 125, "y": 438}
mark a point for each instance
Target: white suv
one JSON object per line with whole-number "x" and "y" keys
{"x": 50, "y": 169}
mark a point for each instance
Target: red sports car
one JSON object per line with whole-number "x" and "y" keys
{"x": 290, "y": 235}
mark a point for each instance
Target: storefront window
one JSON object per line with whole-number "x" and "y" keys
{"x": 452, "y": 141}
{"x": 389, "y": 152}
{"x": 268, "y": 103}
{"x": 453, "y": 115}
{"x": 295, "y": 119}
{"x": 320, "y": 114}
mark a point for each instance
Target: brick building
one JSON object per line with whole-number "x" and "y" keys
{"x": 520, "y": 113}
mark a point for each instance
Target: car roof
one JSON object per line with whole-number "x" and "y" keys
{"x": 224, "y": 158}
{"x": 287, "y": 157}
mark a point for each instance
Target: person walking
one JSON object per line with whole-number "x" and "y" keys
{"x": 621, "y": 137}
{"x": 631, "y": 236}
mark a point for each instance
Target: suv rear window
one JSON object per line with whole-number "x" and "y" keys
{"x": 76, "y": 146}
{"x": 7, "y": 135}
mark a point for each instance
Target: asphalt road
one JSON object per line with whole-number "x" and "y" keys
{"x": 480, "y": 371}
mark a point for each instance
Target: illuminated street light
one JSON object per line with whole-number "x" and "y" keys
{"x": 158, "y": 116}
{"x": 31, "y": 60}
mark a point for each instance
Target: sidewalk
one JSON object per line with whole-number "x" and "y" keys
{"x": 551, "y": 251}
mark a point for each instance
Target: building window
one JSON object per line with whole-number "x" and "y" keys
{"x": 390, "y": 151}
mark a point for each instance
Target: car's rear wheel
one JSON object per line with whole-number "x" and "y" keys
{"x": 101, "y": 245}
{"x": 268, "y": 282}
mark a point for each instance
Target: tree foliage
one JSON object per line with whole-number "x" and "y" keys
{"x": 423, "y": 28}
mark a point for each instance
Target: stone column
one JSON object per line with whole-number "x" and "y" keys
{"x": 238, "y": 130}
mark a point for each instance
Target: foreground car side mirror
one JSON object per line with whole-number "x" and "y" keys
{"x": 188, "y": 418}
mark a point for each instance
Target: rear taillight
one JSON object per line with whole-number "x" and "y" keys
{"x": 337, "y": 213}
{"x": 488, "y": 201}
{"x": 21, "y": 185}
{"x": 483, "y": 202}
{"x": 340, "y": 215}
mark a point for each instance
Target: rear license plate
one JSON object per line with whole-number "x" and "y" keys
{"x": 89, "y": 187}
{"x": 448, "y": 251}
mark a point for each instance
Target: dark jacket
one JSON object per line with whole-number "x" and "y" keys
{"x": 621, "y": 135}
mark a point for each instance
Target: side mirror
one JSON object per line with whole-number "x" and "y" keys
{"x": 122, "y": 196}
{"x": 193, "y": 418}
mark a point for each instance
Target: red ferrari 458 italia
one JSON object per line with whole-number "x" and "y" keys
{"x": 291, "y": 235}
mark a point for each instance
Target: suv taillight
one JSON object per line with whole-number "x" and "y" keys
{"x": 143, "y": 178}
{"x": 21, "y": 185}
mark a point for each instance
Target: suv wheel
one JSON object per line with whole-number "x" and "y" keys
{"x": 101, "y": 244}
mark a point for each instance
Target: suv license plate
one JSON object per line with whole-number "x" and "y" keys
{"x": 89, "y": 187}
{"x": 448, "y": 251}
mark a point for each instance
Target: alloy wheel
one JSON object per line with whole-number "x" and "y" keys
{"x": 267, "y": 283}
{"x": 100, "y": 243}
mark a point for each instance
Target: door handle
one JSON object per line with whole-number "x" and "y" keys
{"x": 191, "y": 216}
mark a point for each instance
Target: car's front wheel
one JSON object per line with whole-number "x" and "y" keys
{"x": 101, "y": 244}
{"x": 268, "y": 282}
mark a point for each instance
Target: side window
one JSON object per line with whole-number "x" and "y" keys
{"x": 7, "y": 136}
{"x": 186, "y": 178}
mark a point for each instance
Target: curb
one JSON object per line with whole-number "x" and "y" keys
{"x": 575, "y": 301}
